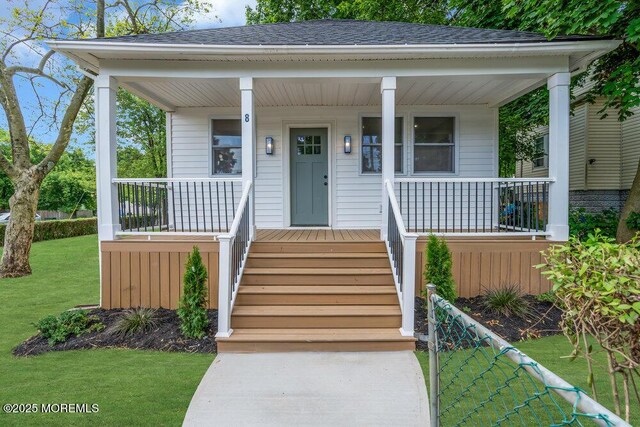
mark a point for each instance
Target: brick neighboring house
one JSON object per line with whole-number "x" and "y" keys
{"x": 603, "y": 155}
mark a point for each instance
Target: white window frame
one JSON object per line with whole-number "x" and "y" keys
{"x": 545, "y": 156}
{"x": 404, "y": 144}
{"x": 210, "y": 145}
{"x": 456, "y": 143}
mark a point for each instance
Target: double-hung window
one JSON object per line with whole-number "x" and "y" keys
{"x": 434, "y": 144}
{"x": 226, "y": 147}
{"x": 371, "y": 146}
{"x": 542, "y": 148}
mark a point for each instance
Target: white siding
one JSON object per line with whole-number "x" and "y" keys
{"x": 604, "y": 147}
{"x": 630, "y": 148}
{"x": 355, "y": 198}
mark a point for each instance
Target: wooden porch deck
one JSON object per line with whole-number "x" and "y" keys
{"x": 318, "y": 235}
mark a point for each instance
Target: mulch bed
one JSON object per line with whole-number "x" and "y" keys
{"x": 166, "y": 336}
{"x": 544, "y": 320}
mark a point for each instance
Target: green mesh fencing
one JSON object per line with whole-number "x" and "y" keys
{"x": 482, "y": 380}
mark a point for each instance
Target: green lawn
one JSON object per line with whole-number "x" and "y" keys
{"x": 130, "y": 387}
{"x": 550, "y": 352}
{"x": 134, "y": 387}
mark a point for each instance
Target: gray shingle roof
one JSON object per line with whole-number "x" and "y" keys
{"x": 342, "y": 32}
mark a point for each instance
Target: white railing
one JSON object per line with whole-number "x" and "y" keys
{"x": 177, "y": 205}
{"x": 474, "y": 206}
{"x": 401, "y": 247}
{"x": 234, "y": 248}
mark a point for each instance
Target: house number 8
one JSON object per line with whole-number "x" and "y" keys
{"x": 246, "y": 118}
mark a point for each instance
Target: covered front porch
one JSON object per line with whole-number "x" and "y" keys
{"x": 339, "y": 167}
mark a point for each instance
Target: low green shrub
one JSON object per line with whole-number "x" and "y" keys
{"x": 633, "y": 221}
{"x": 548, "y": 296}
{"x": 581, "y": 223}
{"x": 506, "y": 301}
{"x": 193, "y": 304}
{"x": 59, "y": 229}
{"x": 438, "y": 268}
{"x": 597, "y": 283}
{"x": 134, "y": 321}
{"x": 73, "y": 322}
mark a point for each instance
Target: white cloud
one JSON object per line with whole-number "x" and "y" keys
{"x": 228, "y": 13}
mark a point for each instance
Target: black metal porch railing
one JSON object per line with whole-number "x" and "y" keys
{"x": 472, "y": 206}
{"x": 177, "y": 205}
{"x": 394, "y": 241}
{"x": 240, "y": 245}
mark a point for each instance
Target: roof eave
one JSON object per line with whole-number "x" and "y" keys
{"x": 590, "y": 48}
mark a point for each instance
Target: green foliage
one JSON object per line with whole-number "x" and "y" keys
{"x": 193, "y": 304}
{"x": 425, "y": 11}
{"x": 581, "y": 223}
{"x": 438, "y": 268}
{"x": 633, "y": 221}
{"x": 597, "y": 282}
{"x": 506, "y": 301}
{"x": 70, "y": 186}
{"x": 597, "y": 273}
{"x": 58, "y": 329}
{"x": 60, "y": 229}
{"x": 617, "y": 74}
{"x": 137, "y": 320}
{"x": 141, "y": 136}
{"x": 548, "y": 296}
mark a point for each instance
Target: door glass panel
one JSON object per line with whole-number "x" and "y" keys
{"x": 309, "y": 144}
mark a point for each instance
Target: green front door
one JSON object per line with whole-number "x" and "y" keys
{"x": 309, "y": 177}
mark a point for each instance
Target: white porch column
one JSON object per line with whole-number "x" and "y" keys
{"x": 247, "y": 108}
{"x": 388, "y": 90}
{"x": 106, "y": 166}
{"x": 559, "y": 99}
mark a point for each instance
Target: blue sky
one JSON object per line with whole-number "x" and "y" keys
{"x": 227, "y": 13}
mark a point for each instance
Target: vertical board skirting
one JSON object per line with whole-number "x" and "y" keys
{"x": 489, "y": 264}
{"x": 138, "y": 273}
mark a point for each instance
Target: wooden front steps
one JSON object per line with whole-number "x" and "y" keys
{"x": 316, "y": 296}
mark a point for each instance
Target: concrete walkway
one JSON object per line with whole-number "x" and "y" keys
{"x": 307, "y": 389}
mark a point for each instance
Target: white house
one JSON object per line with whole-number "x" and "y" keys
{"x": 306, "y": 158}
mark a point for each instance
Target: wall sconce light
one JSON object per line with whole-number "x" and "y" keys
{"x": 347, "y": 144}
{"x": 269, "y": 145}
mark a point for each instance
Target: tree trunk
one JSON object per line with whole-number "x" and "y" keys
{"x": 19, "y": 231}
{"x": 624, "y": 234}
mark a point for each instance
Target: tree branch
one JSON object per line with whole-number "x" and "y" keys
{"x": 36, "y": 71}
{"x": 7, "y": 167}
{"x": 66, "y": 127}
{"x": 15, "y": 120}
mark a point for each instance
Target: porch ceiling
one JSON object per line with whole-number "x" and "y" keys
{"x": 170, "y": 94}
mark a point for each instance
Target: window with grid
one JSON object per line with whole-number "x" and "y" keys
{"x": 542, "y": 146}
{"x": 433, "y": 144}
{"x": 226, "y": 146}
{"x": 372, "y": 145}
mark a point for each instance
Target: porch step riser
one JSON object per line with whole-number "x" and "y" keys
{"x": 317, "y": 247}
{"x": 317, "y": 263}
{"x": 310, "y": 279}
{"x": 261, "y": 322}
{"x": 279, "y": 347}
{"x": 298, "y": 299}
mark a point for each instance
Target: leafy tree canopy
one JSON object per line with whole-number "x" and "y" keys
{"x": 70, "y": 186}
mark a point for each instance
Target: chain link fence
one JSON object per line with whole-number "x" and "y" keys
{"x": 477, "y": 378}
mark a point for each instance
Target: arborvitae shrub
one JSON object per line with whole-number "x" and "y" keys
{"x": 438, "y": 268}
{"x": 193, "y": 304}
